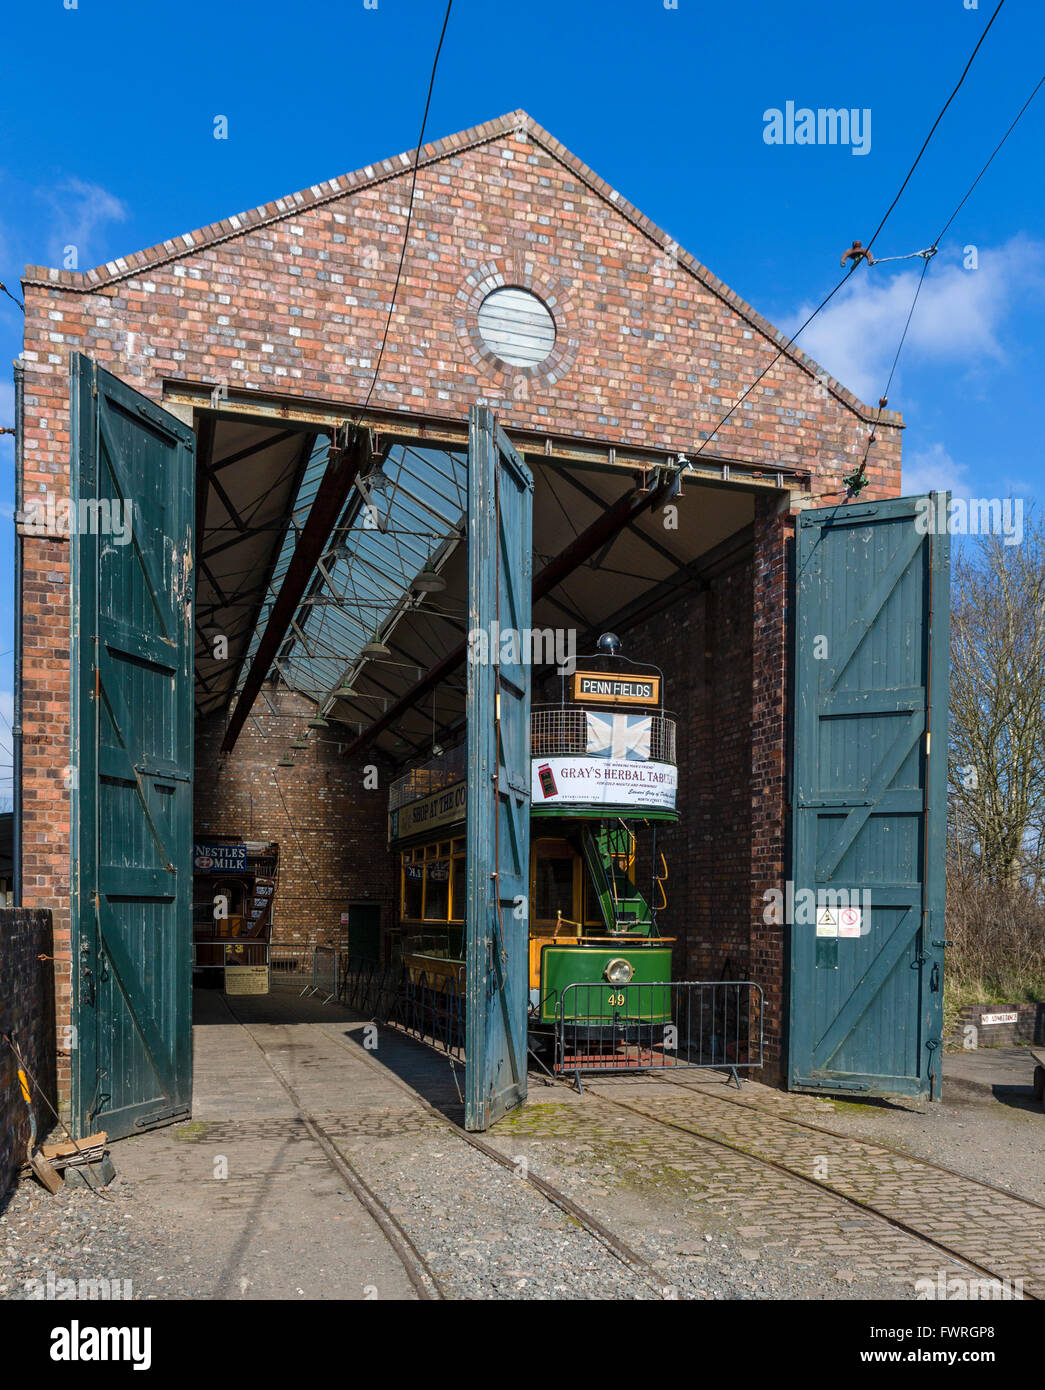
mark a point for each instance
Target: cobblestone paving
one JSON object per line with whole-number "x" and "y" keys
{"x": 605, "y": 1156}
{"x": 996, "y": 1231}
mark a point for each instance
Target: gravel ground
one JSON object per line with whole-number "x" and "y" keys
{"x": 485, "y": 1233}
{"x": 118, "y": 1249}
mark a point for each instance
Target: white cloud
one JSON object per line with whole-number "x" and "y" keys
{"x": 79, "y": 210}
{"x": 957, "y": 320}
{"x": 933, "y": 469}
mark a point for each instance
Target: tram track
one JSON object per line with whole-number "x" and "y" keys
{"x": 428, "y": 1286}
{"x": 622, "y": 1252}
{"x": 958, "y": 1256}
{"x": 422, "y": 1278}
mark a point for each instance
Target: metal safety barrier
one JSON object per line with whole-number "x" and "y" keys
{"x": 290, "y": 959}
{"x": 324, "y": 973}
{"x": 427, "y": 1004}
{"x": 661, "y": 1026}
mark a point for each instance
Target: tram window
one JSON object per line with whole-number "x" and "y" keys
{"x": 413, "y": 886}
{"x": 460, "y": 889}
{"x": 437, "y": 890}
{"x": 554, "y": 887}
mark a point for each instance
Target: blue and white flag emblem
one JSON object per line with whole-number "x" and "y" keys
{"x": 623, "y": 737}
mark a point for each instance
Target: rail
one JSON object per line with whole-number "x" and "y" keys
{"x": 216, "y": 952}
{"x": 562, "y": 731}
{"x": 429, "y": 777}
{"x": 658, "y": 1026}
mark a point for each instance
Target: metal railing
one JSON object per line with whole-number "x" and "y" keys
{"x": 369, "y": 987}
{"x": 429, "y": 777}
{"x": 428, "y": 1005}
{"x": 661, "y": 1026}
{"x": 216, "y": 952}
{"x": 431, "y": 1008}
{"x": 562, "y": 731}
{"x": 290, "y": 959}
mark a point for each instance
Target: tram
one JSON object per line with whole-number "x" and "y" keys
{"x": 603, "y": 780}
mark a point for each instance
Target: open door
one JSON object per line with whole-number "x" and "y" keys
{"x": 500, "y": 508}
{"x": 131, "y": 770}
{"x": 869, "y": 797}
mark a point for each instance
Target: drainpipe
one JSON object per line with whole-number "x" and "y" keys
{"x": 16, "y": 729}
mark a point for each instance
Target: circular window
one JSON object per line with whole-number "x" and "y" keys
{"x": 517, "y": 327}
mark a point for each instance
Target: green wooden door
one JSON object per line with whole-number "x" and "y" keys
{"x": 364, "y": 932}
{"x": 131, "y": 773}
{"x": 869, "y": 799}
{"x": 500, "y": 585}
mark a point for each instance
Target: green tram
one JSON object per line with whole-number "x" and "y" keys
{"x": 603, "y": 779}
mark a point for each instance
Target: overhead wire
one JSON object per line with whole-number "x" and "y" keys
{"x": 828, "y": 297}
{"x": 409, "y": 219}
{"x": 927, "y": 255}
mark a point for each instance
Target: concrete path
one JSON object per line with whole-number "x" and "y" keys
{"x": 267, "y": 1215}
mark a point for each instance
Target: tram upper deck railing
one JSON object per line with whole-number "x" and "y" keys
{"x": 432, "y": 776}
{"x": 562, "y": 731}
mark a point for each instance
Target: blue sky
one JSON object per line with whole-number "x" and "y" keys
{"x": 106, "y": 141}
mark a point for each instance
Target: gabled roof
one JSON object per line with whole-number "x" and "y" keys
{"x": 513, "y": 122}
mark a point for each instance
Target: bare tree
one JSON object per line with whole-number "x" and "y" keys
{"x": 997, "y": 725}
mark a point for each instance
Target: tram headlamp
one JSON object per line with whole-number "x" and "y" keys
{"x": 618, "y": 971}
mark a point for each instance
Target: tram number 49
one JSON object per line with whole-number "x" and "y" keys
{"x": 617, "y": 999}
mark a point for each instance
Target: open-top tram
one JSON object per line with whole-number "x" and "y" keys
{"x": 603, "y": 779}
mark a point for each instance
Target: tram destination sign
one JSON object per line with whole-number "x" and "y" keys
{"x": 616, "y": 690}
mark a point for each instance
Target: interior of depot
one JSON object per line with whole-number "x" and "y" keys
{"x": 331, "y": 644}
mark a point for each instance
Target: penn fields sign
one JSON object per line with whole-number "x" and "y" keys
{"x": 616, "y": 690}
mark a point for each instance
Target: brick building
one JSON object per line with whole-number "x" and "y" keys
{"x": 261, "y": 333}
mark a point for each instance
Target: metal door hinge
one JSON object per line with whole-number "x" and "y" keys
{"x": 158, "y": 1116}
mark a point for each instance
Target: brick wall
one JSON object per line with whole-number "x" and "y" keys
{"x": 1028, "y": 1029}
{"x": 770, "y": 754}
{"x": 329, "y": 827}
{"x": 27, "y": 1015}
